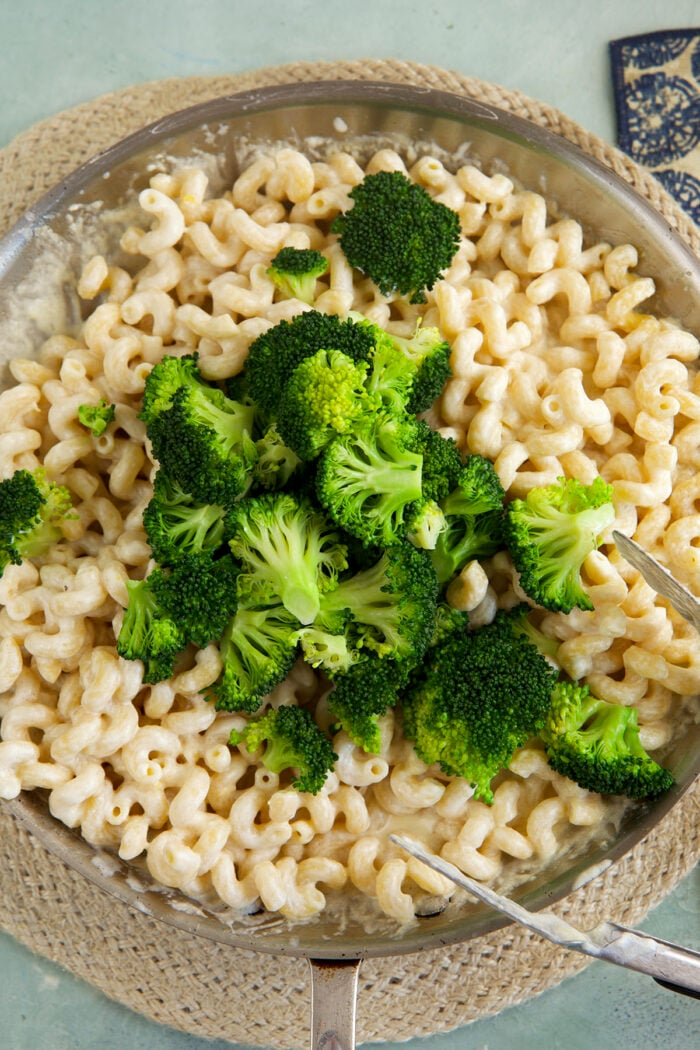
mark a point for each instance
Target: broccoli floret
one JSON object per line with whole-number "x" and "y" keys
{"x": 465, "y": 539}
{"x": 442, "y": 462}
{"x": 203, "y": 441}
{"x": 473, "y": 517}
{"x": 149, "y": 633}
{"x": 362, "y": 696}
{"x": 275, "y": 462}
{"x": 390, "y": 376}
{"x": 370, "y": 479}
{"x": 596, "y": 744}
{"x": 392, "y": 604}
{"x": 292, "y": 741}
{"x": 397, "y": 234}
{"x": 551, "y": 532}
{"x": 430, "y": 355}
{"x": 31, "y": 511}
{"x": 163, "y": 382}
{"x": 191, "y": 602}
{"x": 324, "y": 396}
{"x": 408, "y": 374}
{"x": 477, "y": 489}
{"x": 96, "y": 417}
{"x": 477, "y": 697}
{"x": 258, "y": 648}
{"x": 275, "y": 354}
{"x": 289, "y": 553}
{"x": 177, "y": 525}
{"x": 200, "y": 594}
{"x": 294, "y": 271}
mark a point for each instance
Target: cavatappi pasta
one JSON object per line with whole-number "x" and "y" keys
{"x": 556, "y": 371}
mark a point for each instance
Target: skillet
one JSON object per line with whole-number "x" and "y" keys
{"x": 368, "y": 115}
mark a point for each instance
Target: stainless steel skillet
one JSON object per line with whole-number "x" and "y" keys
{"x": 361, "y": 116}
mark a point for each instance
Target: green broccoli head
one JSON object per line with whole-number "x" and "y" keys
{"x": 178, "y": 525}
{"x": 292, "y": 741}
{"x": 370, "y": 479}
{"x": 149, "y": 633}
{"x": 163, "y": 382}
{"x": 550, "y": 533}
{"x": 392, "y": 604}
{"x": 471, "y": 498}
{"x": 428, "y": 355}
{"x": 442, "y": 461}
{"x": 477, "y": 697}
{"x": 596, "y": 744}
{"x": 198, "y": 593}
{"x": 294, "y": 271}
{"x": 258, "y": 647}
{"x": 32, "y": 509}
{"x": 397, "y": 234}
{"x": 477, "y": 489}
{"x": 275, "y": 354}
{"x": 324, "y": 396}
{"x": 407, "y": 373}
{"x": 361, "y": 696}
{"x": 390, "y": 376}
{"x": 96, "y": 417}
{"x": 288, "y": 550}
{"x": 203, "y": 441}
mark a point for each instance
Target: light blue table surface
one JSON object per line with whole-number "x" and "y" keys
{"x": 57, "y": 53}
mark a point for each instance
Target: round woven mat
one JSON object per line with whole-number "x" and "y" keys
{"x": 212, "y": 990}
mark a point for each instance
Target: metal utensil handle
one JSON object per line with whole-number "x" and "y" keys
{"x": 333, "y": 1002}
{"x": 671, "y": 965}
{"x": 677, "y": 988}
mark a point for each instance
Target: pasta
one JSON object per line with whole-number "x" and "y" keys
{"x": 555, "y": 370}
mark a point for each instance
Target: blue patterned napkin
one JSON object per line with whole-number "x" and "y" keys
{"x": 656, "y": 78}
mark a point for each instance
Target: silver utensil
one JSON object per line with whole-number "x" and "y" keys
{"x": 658, "y": 577}
{"x": 671, "y": 965}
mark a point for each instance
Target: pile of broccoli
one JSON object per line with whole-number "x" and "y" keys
{"x": 305, "y": 510}
{"x": 293, "y": 563}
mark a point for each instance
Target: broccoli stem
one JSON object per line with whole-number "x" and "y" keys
{"x": 567, "y": 541}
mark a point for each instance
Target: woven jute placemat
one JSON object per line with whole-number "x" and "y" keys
{"x": 209, "y": 989}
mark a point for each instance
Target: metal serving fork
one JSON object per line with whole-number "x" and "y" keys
{"x": 682, "y": 600}
{"x": 670, "y": 965}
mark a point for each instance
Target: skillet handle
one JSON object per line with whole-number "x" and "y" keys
{"x": 333, "y": 1001}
